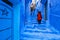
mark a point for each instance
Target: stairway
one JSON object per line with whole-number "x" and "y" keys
{"x": 39, "y": 32}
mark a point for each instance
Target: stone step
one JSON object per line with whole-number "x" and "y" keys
{"x": 35, "y": 26}
{"x": 42, "y": 36}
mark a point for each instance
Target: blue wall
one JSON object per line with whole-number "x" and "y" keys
{"x": 55, "y": 14}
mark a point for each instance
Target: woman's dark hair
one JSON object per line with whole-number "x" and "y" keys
{"x": 39, "y": 11}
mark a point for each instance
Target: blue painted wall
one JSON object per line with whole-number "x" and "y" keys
{"x": 55, "y": 14}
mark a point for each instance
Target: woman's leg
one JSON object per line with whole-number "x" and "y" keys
{"x": 39, "y": 21}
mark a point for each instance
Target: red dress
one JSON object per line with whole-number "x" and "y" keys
{"x": 39, "y": 16}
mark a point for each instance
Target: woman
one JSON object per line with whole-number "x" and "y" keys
{"x": 39, "y": 17}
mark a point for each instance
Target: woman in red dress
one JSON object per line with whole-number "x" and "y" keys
{"x": 39, "y": 17}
